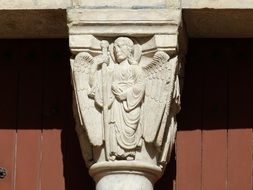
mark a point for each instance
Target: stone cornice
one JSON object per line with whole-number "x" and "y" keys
{"x": 130, "y": 22}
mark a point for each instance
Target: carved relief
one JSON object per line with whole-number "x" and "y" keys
{"x": 126, "y": 101}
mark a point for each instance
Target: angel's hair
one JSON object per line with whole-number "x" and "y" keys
{"x": 129, "y": 43}
{"x": 130, "y": 46}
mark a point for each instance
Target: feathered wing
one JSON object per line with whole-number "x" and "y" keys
{"x": 85, "y": 144}
{"x": 160, "y": 81}
{"x": 168, "y": 124}
{"x": 90, "y": 116}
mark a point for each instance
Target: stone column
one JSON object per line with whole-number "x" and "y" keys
{"x": 126, "y": 90}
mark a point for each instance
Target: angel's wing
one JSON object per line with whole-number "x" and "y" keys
{"x": 85, "y": 144}
{"x": 159, "y": 88}
{"x": 90, "y": 116}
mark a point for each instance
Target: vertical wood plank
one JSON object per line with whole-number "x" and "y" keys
{"x": 52, "y": 165}
{"x": 214, "y": 144}
{"x": 240, "y": 118}
{"x": 54, "y": 116}
{"x": 29, "y": 119}
{"x": 8, "y": 105}
{"x": 188, "y": 142}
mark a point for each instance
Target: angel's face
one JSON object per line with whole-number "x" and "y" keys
{"x": 121, "y": 51}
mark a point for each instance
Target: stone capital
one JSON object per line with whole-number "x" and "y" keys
{"x": 126, "y": 61}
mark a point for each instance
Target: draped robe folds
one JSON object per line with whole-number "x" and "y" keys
{"x": 124, "y": 116}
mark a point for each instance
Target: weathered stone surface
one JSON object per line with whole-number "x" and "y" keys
{"x": 123, "y": 22}
{"x": 217, "y": 4}
{"x": 34, "y": 4}
{"x": 140, "y": 4}
{"x": 125, "y": 70}
{"x": 185, "y": 4}
{"x": 127, "y": 95}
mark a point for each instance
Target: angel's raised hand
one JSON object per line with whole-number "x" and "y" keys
{"x": 103, "y": 59}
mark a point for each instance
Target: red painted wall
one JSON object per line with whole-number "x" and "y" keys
{"x": 214, "y": 142}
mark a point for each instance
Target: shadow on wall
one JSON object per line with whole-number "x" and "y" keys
{"x": 168, "y": 180}
{"x": 75, "y": 172}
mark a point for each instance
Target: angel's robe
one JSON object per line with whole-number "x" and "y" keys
{"x": 124, "y": 116}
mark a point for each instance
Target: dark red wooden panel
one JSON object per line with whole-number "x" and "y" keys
{"x": 214, "y": 142}
{"x": 53, "y": 118}
{"x": 29, "y": 119}
{"x": 8, "y": 104}
{"x": 188, "y": 142}
{"x": 52, "y": 176}
{"x": 227, "y": 116}
{"x": 240, "y": 118}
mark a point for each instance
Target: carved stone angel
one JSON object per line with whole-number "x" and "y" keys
{"x": 124, "y": 105}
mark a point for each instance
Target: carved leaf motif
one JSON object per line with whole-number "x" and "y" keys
{"x": 90, "y": 117}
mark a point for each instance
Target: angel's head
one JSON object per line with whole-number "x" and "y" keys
{"x": 123, "y": 49}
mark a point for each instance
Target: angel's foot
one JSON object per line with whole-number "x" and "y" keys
{"x": 130, "y": 157}
{"x": 112, "y": 157}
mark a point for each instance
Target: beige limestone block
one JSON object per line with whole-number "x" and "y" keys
{"x": 140, "y": 4}
{"x": 128, "y": 22}
{"x": 217, "y": 4}
{"x": 128, "y": 4}
{"x": 34, "y": 4}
